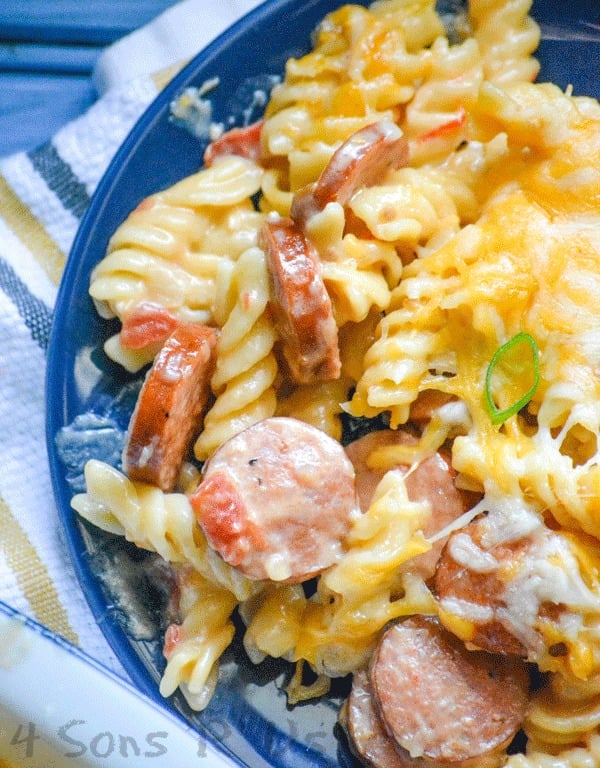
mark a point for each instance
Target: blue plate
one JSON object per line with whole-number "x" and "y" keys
{"x": 248, "y": 718}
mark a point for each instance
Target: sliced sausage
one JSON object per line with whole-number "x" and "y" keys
{"x": 480, "y": 592}
{"x": 170, "y": 406}
{"x": 301, "y": 304}
{"x": 490, "y": 581}
{"x": 367, "y": 736}
{"x": 244, "y": 142}
{"x": 427, "y": 403}
{"x": 360, "y": 161}
{"x": 277, "y": 500}
{"x": 432, "y": 480}
{"x": 442, "y": 702}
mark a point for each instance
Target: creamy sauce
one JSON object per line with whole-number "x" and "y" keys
{"x": 194, "y": 113}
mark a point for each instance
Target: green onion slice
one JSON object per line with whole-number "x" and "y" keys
{"x": 506, "y": 357}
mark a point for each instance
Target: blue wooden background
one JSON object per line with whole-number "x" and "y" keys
{"x": 47, "y": 52}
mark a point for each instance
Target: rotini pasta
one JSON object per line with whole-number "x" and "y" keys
{"x": 507, "y": 36}
{"x": 563, "y": 713}
{"x": 436, "y": 118}
{"x": 246, "y": 366}
{"x": 153, "y": 520}
{"x": 330, "y": 631}
{"x": 169, "y": 249}
{"x": 339, "y": 88}
{"x": 359, "y": 273}
{"x": 462, "y": 281}
{"x": 585, "y": 756}
{"x": 193, "y": 647}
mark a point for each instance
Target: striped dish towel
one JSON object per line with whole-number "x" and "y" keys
{"x": 43, "y": 195}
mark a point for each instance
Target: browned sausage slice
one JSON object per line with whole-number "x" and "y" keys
{"x": 484, "y": 580}
{"x": 360, "y": 161}
{"x": 440, "y": 701}
{"x": 277, "y": 500}
{"x": 170, "y": 406}
{"x": 366, "y": 733}
{"x": 432, "y": 480}
{"x": 426, "y": 404}
{"x": 301, "y": 304}
{"x": 244, "y": 142}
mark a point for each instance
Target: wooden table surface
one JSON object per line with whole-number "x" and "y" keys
{"x": 47, "y": 52}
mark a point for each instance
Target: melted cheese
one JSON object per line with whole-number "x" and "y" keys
{"x": 557, "y": 570}
{"x": 530, "y": 263}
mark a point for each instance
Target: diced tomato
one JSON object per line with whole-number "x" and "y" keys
{"x": 243, "y": 142}
{"x": 173, "y": 636}
{"x": 448, "y": 128}
{"x": 147, "y": 324}
{"x": 224, "y": 519}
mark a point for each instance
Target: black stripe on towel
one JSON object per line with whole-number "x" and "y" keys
{"x": 60, "y": 178}
{"x": 36, "y": 315}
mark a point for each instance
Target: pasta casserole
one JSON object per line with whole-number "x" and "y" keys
{"x": 369, "y": 428}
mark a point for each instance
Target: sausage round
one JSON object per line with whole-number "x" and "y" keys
{"x": 277, "y": 500}
{"x": 170, "y": 407}
{"x": 360, "y": 161}
{"x": 301, "y": 304}
{"x": 367, "y": 736}
{"x": 442, "y": 702}
{"x": 484, "y": 586}
{"x": 431, "y": 480}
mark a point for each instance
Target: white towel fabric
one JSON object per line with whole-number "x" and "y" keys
{"x": 43, "y": 195}
{"x": 175, "y": 35}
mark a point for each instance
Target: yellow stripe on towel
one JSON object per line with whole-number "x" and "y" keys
{"x": 32, "y": 576}
{"x": 31, "y": 233}
{"x": 163, "y": 77}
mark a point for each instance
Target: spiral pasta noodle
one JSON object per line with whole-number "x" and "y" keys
{"x": 156, "y": 521}
{"x": 335, "y": 90}
{"x": 246, "y": 366}
{"x": 358, "y": 273}
{"x": 395, "y": 366}
{"x": 436, "y": 118}
{"x": 507, "y": 36}
{"x": 563, "y": 713}
{"x": 425, "y": 213}
{"x": 562, "y": 726}
{"x": 169, "y": 249}
{"x": 193, "y": 647}
{"x": 584, "y": 756}
{"x": 329, "y": 632}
